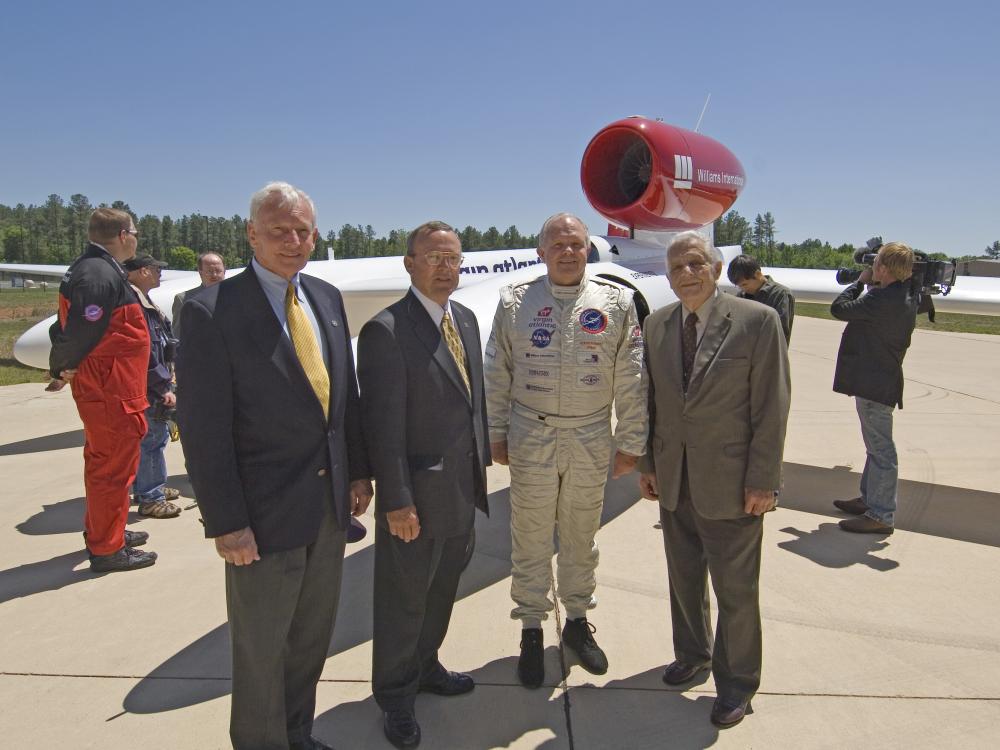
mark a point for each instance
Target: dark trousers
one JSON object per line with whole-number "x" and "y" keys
{"x": 730, "y": 551}
{"x": 281, "y": 613}
{"x": 415, "y": 586}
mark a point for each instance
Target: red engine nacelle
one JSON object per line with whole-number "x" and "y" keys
{"x": 645, "y": 174}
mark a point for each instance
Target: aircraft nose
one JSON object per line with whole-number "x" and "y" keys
{"x": 32, "y": 349}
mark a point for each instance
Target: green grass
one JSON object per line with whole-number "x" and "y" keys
{"x": 949, "y": 322}
{"x": 19, "y": 310}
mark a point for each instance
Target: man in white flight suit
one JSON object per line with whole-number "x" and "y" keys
{"x": 563, "y": 348}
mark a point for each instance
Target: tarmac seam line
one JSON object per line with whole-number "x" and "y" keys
{"x": 566, "y": 688}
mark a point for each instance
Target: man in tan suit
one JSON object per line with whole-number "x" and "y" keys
{"x": 718, "y": 398}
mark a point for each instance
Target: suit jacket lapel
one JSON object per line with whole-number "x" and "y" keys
{"x": 715, "y": 333}
{"x": 671, "y": 336}
{"x": 270, "y": 337}
{"x": 431, "y": 337}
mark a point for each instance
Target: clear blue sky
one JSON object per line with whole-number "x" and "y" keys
{"x": 854, "y": 119}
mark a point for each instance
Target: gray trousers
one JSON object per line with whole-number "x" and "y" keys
{"x": 730, "y": 550}
{"x": 281, "y": 612}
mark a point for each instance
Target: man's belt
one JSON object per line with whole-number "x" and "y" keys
{"x": 554, "y": 420}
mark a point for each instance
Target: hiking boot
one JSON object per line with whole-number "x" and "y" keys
{"x": 126, "y": 558}
{"x": 531, "y": 664}
{"x": 856, "y": 506}
{"x": 160, "y": 509}
{"x": 578, "y": 634}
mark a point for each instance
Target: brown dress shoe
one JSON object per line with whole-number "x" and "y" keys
{"x": 856, "y": 506}
{"x": 865, "y": 525}
{"x": 679, "y": 672}
{"x": 726, "y": 714}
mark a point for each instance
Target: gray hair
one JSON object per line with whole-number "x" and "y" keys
{"x": 693, "y": 239}
{"x": 547, "y": 226}
{"x": 288, "y": 196}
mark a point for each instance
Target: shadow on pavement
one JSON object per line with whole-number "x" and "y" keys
{"x": 831, "y": 547}
{"x": 503, "y": 714}
{"x": 935, "y": 509}
{"x": 58, "y": 442}
{"x": 63, "y": 517}
{"x": 643, "y": 718}
{"x": 208, "y": 657}
{"x": 48, "y": 575}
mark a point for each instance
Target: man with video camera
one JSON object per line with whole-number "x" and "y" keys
{"x": 870, "y": 368}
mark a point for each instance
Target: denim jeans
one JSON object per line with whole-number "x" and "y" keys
{"x": 878, "y": 481}
{"x": 152, "y": 474}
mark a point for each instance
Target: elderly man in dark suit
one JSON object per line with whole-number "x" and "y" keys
{"x": 719, "y": 391}
{"x": 421, "y": 373}
{"x": 269, "y": 412}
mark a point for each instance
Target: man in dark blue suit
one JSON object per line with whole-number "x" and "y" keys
{"x": 270, "y": 418}
{"x": 421, "y": 372}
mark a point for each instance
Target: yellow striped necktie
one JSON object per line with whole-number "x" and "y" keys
{"x": 455, "y": 347}
{"x": 307, "y": 348}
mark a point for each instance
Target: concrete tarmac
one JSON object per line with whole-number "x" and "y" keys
{"x": 869, "y": 642}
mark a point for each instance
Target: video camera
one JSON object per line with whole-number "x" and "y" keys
{"x": 929, "y": 276}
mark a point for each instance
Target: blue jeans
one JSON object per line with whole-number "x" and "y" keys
{"x": 151, "y": 477}
{"x": 879, "y": 479}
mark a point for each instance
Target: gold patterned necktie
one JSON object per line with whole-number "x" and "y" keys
{"x": 455, "y": 347}
{"x": 307, "y": 348}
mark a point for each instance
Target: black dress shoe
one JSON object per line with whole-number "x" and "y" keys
{"x": 448, "y": 683}
{"x": 578, "y": 635}
{"x": 401, "y": 728}
{"x": 856, "y": 506}
{"x": 531, "y": 663}
{"x": 679, "y": 672}
{"x": 865, "y": 525}
{"x": 126, "y": 558}
{"x": 726, "y": 714}
{"x": 132, "y": 538}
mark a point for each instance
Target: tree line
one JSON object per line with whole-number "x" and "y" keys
{"x": 56, "y": 232}
{"x": 759, "y": 240}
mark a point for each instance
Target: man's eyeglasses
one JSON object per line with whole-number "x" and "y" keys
{"x": 450, "y": 259}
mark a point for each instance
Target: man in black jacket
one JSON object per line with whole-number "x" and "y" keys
{"x": 270, "y": 425}
{"x": 420, "y": 367}
{"x": 870, "y": 368}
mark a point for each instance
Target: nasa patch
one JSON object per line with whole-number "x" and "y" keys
{"x": 540, "y": 338}
{"x": 593, "y": 320}
{"x": 93, "y": 313}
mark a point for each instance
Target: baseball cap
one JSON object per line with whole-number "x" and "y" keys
{"x": 143, "y": 260}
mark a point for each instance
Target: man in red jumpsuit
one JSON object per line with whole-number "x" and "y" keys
{"x": 100, "y": 345}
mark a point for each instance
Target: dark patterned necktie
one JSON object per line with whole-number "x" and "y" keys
{"x": 689, "y": 346}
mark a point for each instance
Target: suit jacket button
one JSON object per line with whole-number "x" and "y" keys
{"x": 321, "y": 473}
